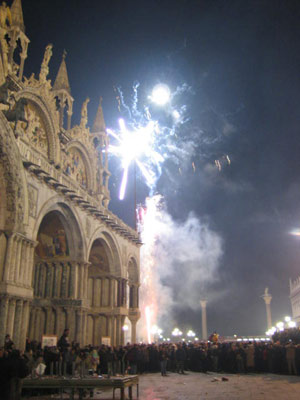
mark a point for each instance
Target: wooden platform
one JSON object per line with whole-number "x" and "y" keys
{"x": 79, "y": 384}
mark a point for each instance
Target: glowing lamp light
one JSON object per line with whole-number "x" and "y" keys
{"x": 287, "y": 319}
{"x": 160, "y": 94}
{"x": 176, "y": 332}
{"x": 280, "y": 325}
{"x": 190, "y": 333}
{"x": 125, "y": 328}
{"x": 292, "y": 324}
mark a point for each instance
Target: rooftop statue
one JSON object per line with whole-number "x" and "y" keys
{"x": 84, "y": 114}
{"x": 44, "y": 67}
{"x": 5, "y": 15}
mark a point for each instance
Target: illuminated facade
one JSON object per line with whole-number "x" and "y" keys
{"x": 65, "y": 259}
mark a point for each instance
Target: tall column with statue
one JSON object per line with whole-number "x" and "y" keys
{"x": 267, "y": 299}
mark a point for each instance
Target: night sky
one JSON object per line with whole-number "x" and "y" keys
{"x": 241, "y": 60}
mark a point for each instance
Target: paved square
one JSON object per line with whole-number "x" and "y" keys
{"x": 197, "y": 386}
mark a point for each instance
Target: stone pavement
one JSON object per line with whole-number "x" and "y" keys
{"x": 197, "y": 386}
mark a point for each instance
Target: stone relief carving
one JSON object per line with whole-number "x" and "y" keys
{"x": 33, "y": 131}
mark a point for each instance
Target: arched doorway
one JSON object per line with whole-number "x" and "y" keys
{"x": 102, "y": 289}
{"x": 58, "y": 278}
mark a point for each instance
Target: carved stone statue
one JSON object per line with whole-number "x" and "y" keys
{"x": 84, "y": 114}
{"x": 44, "y": 67}
{"x": 5, "y": 16}
{"x": 266, "y": 291}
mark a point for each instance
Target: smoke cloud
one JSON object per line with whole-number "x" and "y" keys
{"x": 179, "y": 260}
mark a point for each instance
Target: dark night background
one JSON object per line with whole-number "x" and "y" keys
{"x": 242, "y": 60}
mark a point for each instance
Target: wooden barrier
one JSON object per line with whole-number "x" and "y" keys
{"x": 81, "y": 384}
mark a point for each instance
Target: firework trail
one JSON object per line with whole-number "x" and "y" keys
{"x": 149, "y": 141}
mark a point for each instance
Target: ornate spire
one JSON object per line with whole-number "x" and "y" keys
{"x": 62, "y": 80}
{"x": 99, "y": 123}
{"x": 17, "y": 15}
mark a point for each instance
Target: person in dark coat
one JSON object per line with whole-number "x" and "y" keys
{"x": 163, "y": 359}
{"x": 8, "y": 343}
{"x": 13, "y": 368}
{"x": 180, "y": 356}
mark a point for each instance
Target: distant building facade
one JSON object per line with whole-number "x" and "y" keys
{"x": 65, "y": 259}
{"x": 295, "y": 299}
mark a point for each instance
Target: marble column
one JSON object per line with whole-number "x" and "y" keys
{"x": 3, "y": 318}
{"x": 79, "y": 327}
{"x": 9, "y": 251}
{"x": 36, "y": 279}
{"x": 109, "y": 328}
{"x": 73, "y": 280}
{"x": 25, "y": 323}
{"x": 111, "y": 292}
{"x": 267, "y": 299}
{"x": 84, "y": 327}
{"x": 32, "y": 323}
{"x": 118, "y": 330}
{"x": 11, "y": 316}
{"x": 86, "y": 274}
{"x": 81, "y": 281}
{"x": 119, "y": 303}
{"x": 113, "y": 331}
{"x": 19, "y": 243}
{"x": 96, "y": 331}
{"x": 204, "y": 319}
{"x": 37, "y": 325}
{"x": 24, "y": 262}
{"x": 49, "y": 320}
{"x": 122, "y": 331}
{"x": 133, "y": 330}
{"x": 9, "y": 271}
{"x": 31, "y": 263}
{"x": 18, "y": 323}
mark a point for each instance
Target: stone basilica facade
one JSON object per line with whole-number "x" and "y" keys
{"x": 65, "y": 259}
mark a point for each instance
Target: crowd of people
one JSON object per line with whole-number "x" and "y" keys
{"x": 70, "y": 359}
